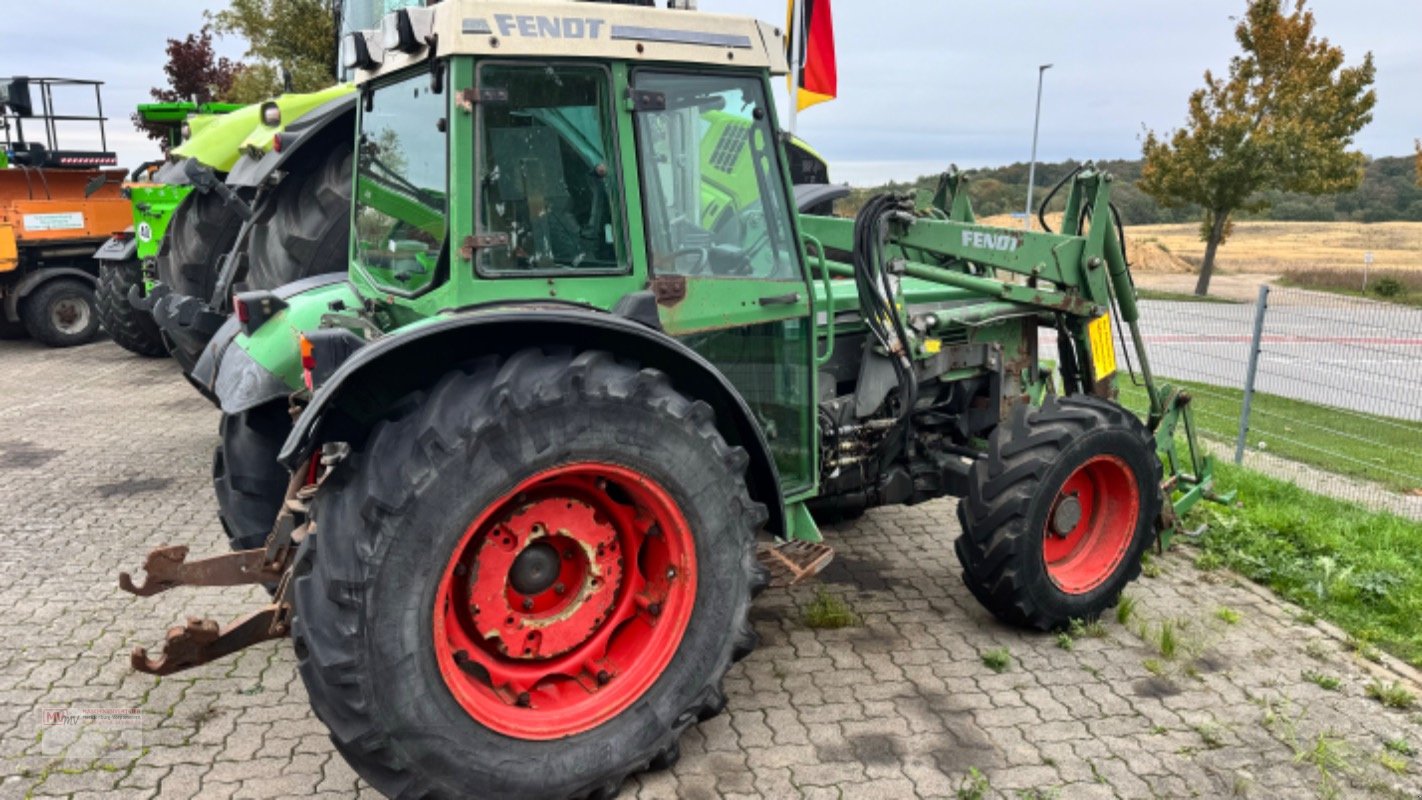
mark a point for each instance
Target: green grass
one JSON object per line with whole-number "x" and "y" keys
{"x": 1392, "y": 695}
{"x": 1181, "y": 297}
{"x": 1323, "y": 680}
{"x": 997, "y": 660}
{"x": 1354, "y": 567}
{"x": 1369, "y": 447}
{"x": 828, "y": 612}
{"x": 1227, "y": 615}
{"x": 1125, "y": 609}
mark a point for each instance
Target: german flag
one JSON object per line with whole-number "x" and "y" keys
{"x": 819, "y": 79}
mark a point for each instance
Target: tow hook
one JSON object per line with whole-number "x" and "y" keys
{"x": 200, "y": 641}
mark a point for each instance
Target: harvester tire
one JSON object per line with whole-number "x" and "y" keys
{"x": 61, "y": 313}
{"x": 1059, "y": 512}
{"x": 130, "y": 328}
{"x": 303, "y": 227}
{"x": 541, "y": 464}
{"x": 249, "y": 482}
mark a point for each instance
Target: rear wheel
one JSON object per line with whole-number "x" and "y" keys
{"x": 303, "y": 228}
{"x": 249, "y": 482}
{"x": 130, "y": 328}
{"x": 1059, "y": 512}
{"x": 543, "y": 566}
{"x": 61, "y": 313}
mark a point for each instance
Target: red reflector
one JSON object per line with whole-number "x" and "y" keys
{"x": 276, "y": 143}
{"x": 244, "y": 314}
{"x": 308, "y": 360}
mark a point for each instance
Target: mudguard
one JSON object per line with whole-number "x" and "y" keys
{"x": 233, "y": 381}
{"x": 361, "y": 390}
{"x": 329, "y": 116}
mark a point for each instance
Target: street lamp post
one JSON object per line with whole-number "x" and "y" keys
{"x": 1036, "y": 126}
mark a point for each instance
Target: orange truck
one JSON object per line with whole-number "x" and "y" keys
{"x": 56, "y": 207}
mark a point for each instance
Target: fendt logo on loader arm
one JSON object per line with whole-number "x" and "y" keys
{"x": 540, "y": 27}
{"x": 988, "y": 240}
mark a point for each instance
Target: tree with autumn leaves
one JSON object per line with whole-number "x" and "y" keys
{"x": 1284, "y": 118}
{"x": 288, "y": 42}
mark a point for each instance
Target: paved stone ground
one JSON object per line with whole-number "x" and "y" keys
{"x": 103, "y": 455}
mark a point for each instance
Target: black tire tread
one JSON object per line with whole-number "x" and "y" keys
{"x": 33, "y": 310}
{"x": 994, "y": 514}
{"x": 203, "y": 228}
{"x": 434, "y": 428}
{"x": 303, "y": 227}
{"x": 249, "y": 483}
{"x": 130, "y": 328}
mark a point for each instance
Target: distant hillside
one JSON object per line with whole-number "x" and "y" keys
{"x": 1389, "y": 193}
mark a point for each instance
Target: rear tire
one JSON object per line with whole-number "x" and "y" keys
{"x": 249, "y": 482}
{"x": 203, "y": 228}
{"x": 303, "y": 227}
{"x": 130, "y": 328}
{"x": 61, "y": 313}
{"x": 1059, "y": 512}
{"x": 461, "y": 465}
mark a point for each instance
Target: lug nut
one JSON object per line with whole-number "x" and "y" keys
{"x": 523, "y": 700}
{"x": 655, "y": 609}
{"x": 559, "y": 588}
{"x": 671, "y": 573}
{"x": 528, "y": 604}
{"x": 603, "y": 677}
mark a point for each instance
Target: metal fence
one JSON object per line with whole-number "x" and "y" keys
{"x": 1321, "y": 389}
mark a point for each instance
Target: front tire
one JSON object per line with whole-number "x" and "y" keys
{"x": 130, "y": 328}
{"x": 1059, "y": 512}
{"x": 438, "y": 650}
{"x": 61, "y": 313}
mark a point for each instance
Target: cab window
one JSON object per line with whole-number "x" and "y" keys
{"x": 711, "y": 182}
{"x": 548, "y": 200}
{"x": 401, "y": 221}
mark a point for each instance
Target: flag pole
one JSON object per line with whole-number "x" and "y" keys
{"x": 797, "y": 59}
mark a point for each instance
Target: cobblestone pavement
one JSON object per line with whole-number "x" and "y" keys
{"x": 103, "y": 455}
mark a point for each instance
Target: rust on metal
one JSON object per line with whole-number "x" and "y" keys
{"x": 669, "y": 289}
{"x": 167, "y": 567}
{"x": 483, "y": 241}
{"x": 201, "y": 640}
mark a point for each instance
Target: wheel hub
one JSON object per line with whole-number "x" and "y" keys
{"x": 1091, "y": 524}
{"x": 546, "y": 578}
{"x": 535, "y": 569}
{"x": 1067, "y": 515}
{"x": 565, "y": 600}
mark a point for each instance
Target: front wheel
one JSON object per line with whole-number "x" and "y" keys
{"x": 61, "y": 313}
{"x": 132, "y": 329}
{"x": 1059, "y": 512}
{"x": 528, "y": 582}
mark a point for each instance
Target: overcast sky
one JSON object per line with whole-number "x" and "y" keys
{"x": 923, "y": 83}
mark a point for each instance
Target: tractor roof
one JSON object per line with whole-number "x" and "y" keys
{"x": 562, "y": 29}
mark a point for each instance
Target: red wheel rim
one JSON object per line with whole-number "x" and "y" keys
{"x": 565, "y": 600}
{"x": 1091, "y": 524}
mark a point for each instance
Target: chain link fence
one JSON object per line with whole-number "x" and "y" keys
{"x": 1318, "y": 388}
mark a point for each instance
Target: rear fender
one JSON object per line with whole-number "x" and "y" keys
{"x": 362, "y": 390}
{"x": 332, "y": 123}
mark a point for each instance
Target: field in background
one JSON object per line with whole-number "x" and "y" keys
{"x": 1279, "y": 247}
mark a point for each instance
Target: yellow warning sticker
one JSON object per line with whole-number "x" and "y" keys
{"x": 1103, "y": 346}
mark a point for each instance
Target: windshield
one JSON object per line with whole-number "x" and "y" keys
{"x": 712, "y": 187}
{"x": 548, "y": 197}
{"x": 401, "y": 165}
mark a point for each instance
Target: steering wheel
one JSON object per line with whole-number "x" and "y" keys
{"x": 703, "y": 260}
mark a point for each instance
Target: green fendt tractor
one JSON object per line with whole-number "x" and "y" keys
{"x": 589, "y": 373}
{"x": 127, "y": 261}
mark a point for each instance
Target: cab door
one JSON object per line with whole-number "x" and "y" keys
{"x": 723, "y": 256}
